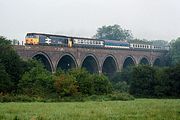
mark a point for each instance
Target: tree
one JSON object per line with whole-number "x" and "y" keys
{"x": 160, "y": 42}
{"x": 143, "y": 80}
{"x": 114, "y": 32}
{"x": 174, "y": 78}
{"x": 175, "y": 52}
{"x": 12, "y": 63}
{"x": 141, "y": 41}
{"x": 163, "y": 84}
{"x": 168, "y": 81}
{"x": 5, "y": 81}
{"x": 36, "y": 82}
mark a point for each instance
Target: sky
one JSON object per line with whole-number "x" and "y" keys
{"x": 147, "y": 19}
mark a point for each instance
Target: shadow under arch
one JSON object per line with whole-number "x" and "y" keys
{"x": 90, "y": 63}
{"x": 67, "y": 61}
{"x": 157, "y": 62}
{"x": 109, "y": 66}
{"x": 129, "y": 61}
{"x": 144, "y": 61}
{"x": 44, "y": 59}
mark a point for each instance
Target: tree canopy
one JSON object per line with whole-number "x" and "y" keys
{"x": 160, "y": 42}
{"x": 12, "y": 67}
{"x": 175, "y": 51}
{"x": 114, "y": 32}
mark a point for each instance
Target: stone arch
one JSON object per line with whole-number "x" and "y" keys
{"x": 109, "y": 66}
{"x": 44, "y": 59}
{"x": 90, "y": 63}
{"x": 66, "y": 62}
{"x": 129, "y": 61}
{"x": 144, "y": 60}
{"x": 157, "y": 62}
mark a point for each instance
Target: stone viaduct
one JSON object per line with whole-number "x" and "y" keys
{"x": 95, "y": 60}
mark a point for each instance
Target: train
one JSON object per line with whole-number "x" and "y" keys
{"x": 68, "y": 41}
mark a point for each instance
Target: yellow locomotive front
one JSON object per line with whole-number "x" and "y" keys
{"x": 32, "y": 39}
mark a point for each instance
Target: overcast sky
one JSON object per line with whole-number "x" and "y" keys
{"x": 149, "y": 19}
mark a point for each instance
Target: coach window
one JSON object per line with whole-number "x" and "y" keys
{"x": 101, "y": 42}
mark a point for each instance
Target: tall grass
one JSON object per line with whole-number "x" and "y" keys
{"x": 140, "y": 109}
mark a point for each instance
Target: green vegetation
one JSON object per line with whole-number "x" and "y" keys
{"x": 140, "y": 109}
{"x": 30, "y": 81}
{"x": 175, "y": 52}
{"x": 12, "y": 67}
{"x": 142, "y": 82}
{"x": 114, "y": 32}
{"x": 147, "y": 81}
{"x": 36, "y": 81}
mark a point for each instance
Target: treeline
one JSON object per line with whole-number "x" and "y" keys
{"x": 148, "y": 81}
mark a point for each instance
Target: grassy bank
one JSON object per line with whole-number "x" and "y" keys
{"x": 140, "y": 109}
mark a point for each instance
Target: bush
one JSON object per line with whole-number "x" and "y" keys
{"x": 121, "y": 96}
{"x": 101, "y": 84}
{"x": 110, "y": 97}
{"x": 84, "y": 80}
{"x": 143, "y": 81}
{"x": 121, "y": 86}
{"x": 124, "y": 75}
{"x": 36, "y": 82}
{"x": 16, "y": 98}
{"x": 65, "y": 85}
{"x": 90, "y": 84}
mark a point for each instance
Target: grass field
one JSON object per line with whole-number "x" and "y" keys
{"x": 139, "y": 109}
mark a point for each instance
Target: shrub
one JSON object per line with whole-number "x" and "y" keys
{"x": 36, "y": 82}
{"x": 143, "y": 81}
{"x": 90, "y": 84}
{"x": 84, "y": 80}
{"x": 65, "y": 85}
{"x": 101, "y": 84}
{"x": 121, "y": 96}
{"x": 121, "y": 86}
{"x": 124, "y": 75}
{"x": 16, "y": 98}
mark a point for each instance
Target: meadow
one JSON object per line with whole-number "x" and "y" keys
{"x": 139, "y": 109}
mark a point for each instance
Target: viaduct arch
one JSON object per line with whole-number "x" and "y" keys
{"x": 110, "y": 65}
{"x": 129, "y": 61}
{"x": 144, "y": 60}
{"x": 90, "y": 63}
{"x": 66, "y": 62}
{"x": 44, "y": 59}
{"x": 107, "y": 61}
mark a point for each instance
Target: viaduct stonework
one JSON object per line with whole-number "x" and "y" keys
{"x": 95, "y": 60}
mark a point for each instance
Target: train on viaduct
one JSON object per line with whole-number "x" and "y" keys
{"x": 95, "y": 60}
{"x": 95, "y": 55}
